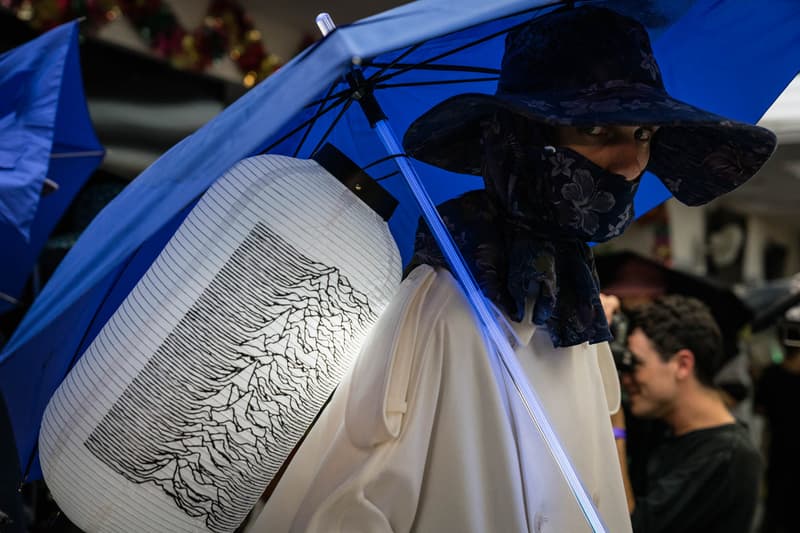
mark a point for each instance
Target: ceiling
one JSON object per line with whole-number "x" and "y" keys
{"x": 783, "y": 117}
{"x": 775, "y": 191}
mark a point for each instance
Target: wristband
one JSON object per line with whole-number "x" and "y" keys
{"x": 619, "y": 433}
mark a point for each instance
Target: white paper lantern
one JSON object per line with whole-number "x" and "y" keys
{"x": 191, "y": 397}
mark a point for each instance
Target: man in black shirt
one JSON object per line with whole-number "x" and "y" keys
{"x": 704, "y": 477}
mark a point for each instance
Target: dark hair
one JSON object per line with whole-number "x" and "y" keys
{"x": 675, "y": 322}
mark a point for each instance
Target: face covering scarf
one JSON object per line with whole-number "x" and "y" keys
{"x": 525, "y": 236}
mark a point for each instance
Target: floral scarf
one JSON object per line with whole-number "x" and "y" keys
{"x": 525, "y": 236}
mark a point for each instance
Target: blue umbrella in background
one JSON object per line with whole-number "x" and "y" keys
{"x": 719, "y": 54}
{"x": 47, "y": 143}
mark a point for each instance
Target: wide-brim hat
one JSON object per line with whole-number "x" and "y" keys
{"x": 590, "y": 66}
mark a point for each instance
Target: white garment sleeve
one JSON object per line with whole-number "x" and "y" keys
{"x": 608, "y": 371}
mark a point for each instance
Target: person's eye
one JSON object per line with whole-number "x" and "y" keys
{"x": 631, "y": 359}
{"x": 594, "y": 131}
{"x": 643, "y": 134}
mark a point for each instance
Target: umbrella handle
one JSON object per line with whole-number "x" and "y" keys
{"x": 487, "y": 321}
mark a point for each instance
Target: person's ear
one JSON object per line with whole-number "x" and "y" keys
{"x": 684, "y": 360}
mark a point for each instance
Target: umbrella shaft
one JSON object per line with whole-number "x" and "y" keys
{"x": 489, "y": 326}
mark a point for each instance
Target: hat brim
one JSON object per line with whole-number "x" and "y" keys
{"x": 698, "y": 155}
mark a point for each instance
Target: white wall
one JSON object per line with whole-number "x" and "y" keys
{"x": 762, "y": 231}
{"x": 687, "y": 229}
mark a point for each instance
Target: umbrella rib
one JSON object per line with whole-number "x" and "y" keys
{"x": 330, "y": 97}
{"x": 384, "y": 158}
{"x": 305, "y": 123}
{"x": 441, "y": 82}
{"x": 427, "y": 66}
{"x": 8, "y": 298}
{"x": 379, "y": 85}
{"x": 386, "y": 66}
{"x": 342, "y": 111}
{"x": 66, "y": 155}
{"x": 346, "y": 91}
{"x": 387, "y": 176}
{"x": 427, "y": 62}
{"x": 311, "y": 125}
{"x": 444, "y": 68}
{"x": 376, "y": 78}
{"x": 29, "y": 464}
{"x": 381, "y": 160}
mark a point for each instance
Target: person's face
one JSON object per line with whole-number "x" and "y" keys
{"x": 652, "y": 385}
{"x": 623, "y": 150}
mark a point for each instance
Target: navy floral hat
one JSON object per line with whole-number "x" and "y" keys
{"x": 590, "y": 66}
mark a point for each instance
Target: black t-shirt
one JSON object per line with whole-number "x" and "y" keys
{"x": 778, "y": 397}
{"x": 705, "y": 481}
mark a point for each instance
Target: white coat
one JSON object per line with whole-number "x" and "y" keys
{"x": 428, "y": 434}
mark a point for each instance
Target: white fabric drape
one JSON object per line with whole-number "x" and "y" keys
{"x": 428, "y": 434}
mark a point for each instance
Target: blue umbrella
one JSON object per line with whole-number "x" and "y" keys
{"x": 721, "y": 55}
{"x": 46, "y": 141}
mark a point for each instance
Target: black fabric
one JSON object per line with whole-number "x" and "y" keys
{"x": 644, "y": 436}
{"x": 551, "y": 190}
{"x": 524, "y": 236}
{"x": 778, "y": 398}
{"x": 511, "y": 265}
{"x": 12, "y": 514}
{"x": 705, "y": 481}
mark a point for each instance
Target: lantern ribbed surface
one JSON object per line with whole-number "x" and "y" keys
{"x": 195, "y": 391}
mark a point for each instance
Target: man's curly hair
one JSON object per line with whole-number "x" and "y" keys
{"x": 675, "y": 322}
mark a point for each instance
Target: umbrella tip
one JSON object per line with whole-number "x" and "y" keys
{"x": 325, "y": 23}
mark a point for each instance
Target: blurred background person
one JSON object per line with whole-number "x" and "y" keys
{"x": 704, "y": 476}
{"x": 636, "y": 280}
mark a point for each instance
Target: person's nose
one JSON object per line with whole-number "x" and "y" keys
{"x": 630, "y": 158}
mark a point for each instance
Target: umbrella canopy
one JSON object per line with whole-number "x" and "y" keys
{"x": 630, "y": 274}
{"x": 45, "y": 134}
{"x": 716, "y": 54}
